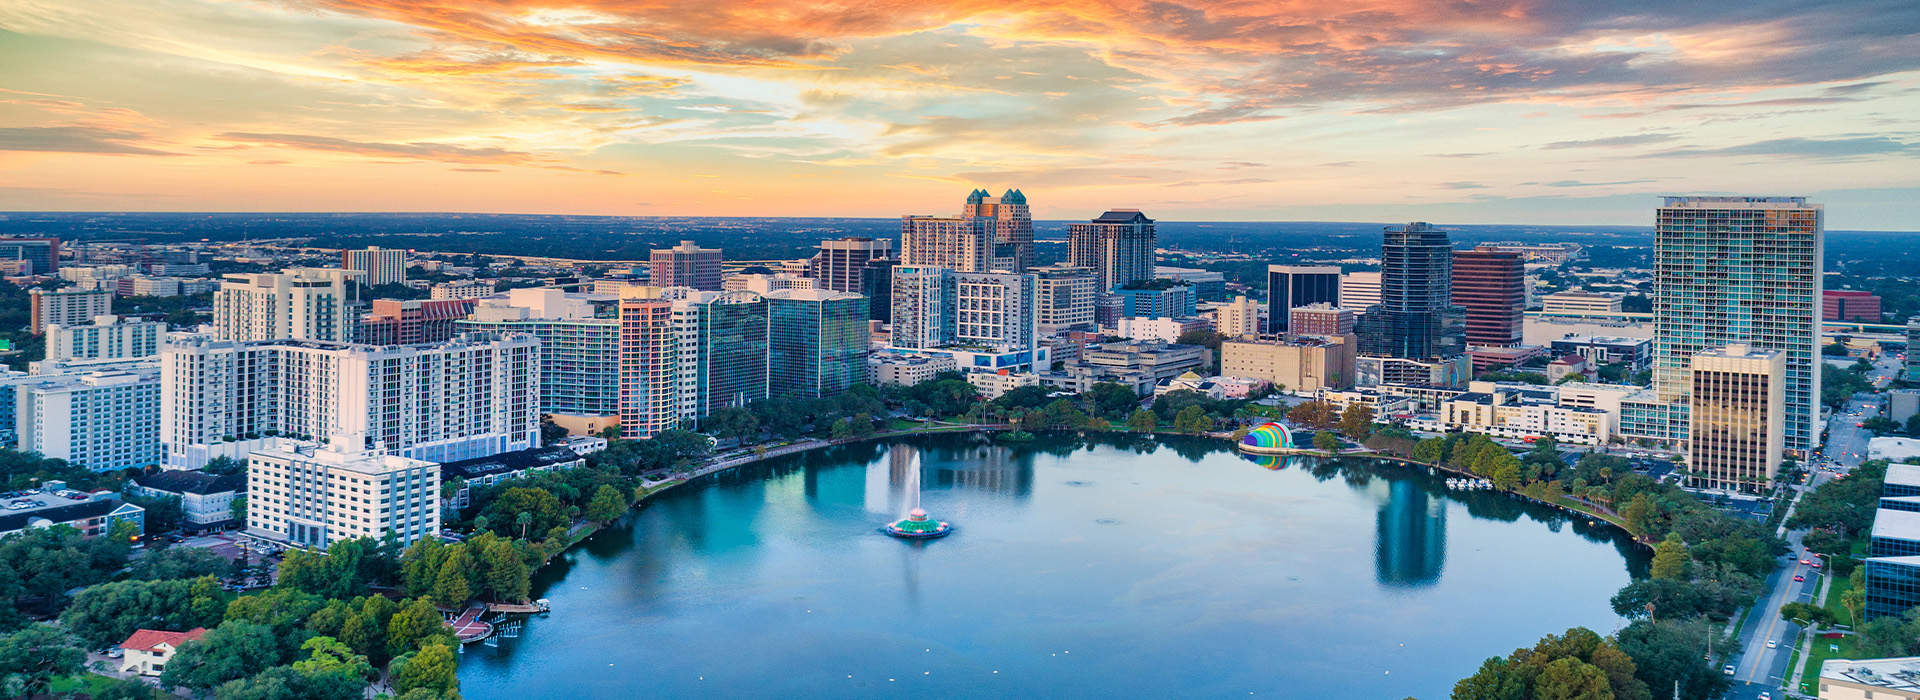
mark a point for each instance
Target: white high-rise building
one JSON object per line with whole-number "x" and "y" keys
{"x": 67, "y": 307}
{"x": 315, "y": 495}
{"x": 472, "y": 396}
{"x": 381, "y": 265}
{"x": 1359, "y": 290}
{"x": 100, "y": 420}
{"x": 936, "y": 307}
{"x": 109, "y": 337}
{"x": 922, "y": 307}
{"x": 307, "y": 303}
{"x": 1066, "y": 298}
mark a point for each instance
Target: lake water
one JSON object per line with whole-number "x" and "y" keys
{"x": 1116, "y": 568}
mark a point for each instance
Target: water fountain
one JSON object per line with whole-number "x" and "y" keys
{"x": 916, "y": 526}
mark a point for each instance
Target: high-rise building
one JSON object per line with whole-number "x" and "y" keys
{"x": 1208, "y": 285}
{"x": 922, "y": 307}
{"x": 579, "y": 348}
{"x": 1294, "y": 286}
{"x": 841, "y": 264}
{"x": 1850, "y": 305}
{"x": 305, "y": 303}
{"x": 1913, "y": 344}
{"x": 1415, "y": 319}
{"x": 109, "y": 337}
{"x": 98, "y": 420}
{"x": 816, "y": 342}
{"x": 472, "y": 396}
{"x": 1066, "y": 297}
{"x": 1492, "y": 286}
{"x": 380, "y": 265}
{"x": 1118, "y": 245}
{"x": 1738, "y": 400}
{"x": 311, "y": 495}
{"x": 411, "y": 321}
{"x": 724, "y": 349}
{"x": 990, "y": 234}
{"x": 935, "y": 307}
{"x": 1360, "y": 290}
{"x": 686, "y": 265}
{"x": 1740, "y": 270}
{"x": 1239, "y": 318}
{"x": 876, "y": 283}
{"x": 43, "y": 254}
{"x": 1157, "y": 298}
{"x": 650, "y": 391}
{"x": 1012, "y": 227}
{"x": 67, "y": 308}
{"x": 1320, "y": 319}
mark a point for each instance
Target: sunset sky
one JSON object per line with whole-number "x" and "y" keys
{"x": 1496, "y": 111}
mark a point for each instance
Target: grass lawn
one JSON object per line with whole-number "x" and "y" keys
{"x": 1820, "y": 652}
{"x": 1841, "y": 615}
{"x": 87, "y": 683}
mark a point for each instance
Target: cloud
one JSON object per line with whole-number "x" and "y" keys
{"x": 1240, "y": 181}
{"x": 1577, "y": 183}
{"x": 1810, "y": 148}
{"x": 428, "y": 151}
{"x": 1462, "y": 186}
{"x": 76, "y": 139}
{"x": 1613, "y": 141}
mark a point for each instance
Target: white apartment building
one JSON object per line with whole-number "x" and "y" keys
{"x": 312, "y": 495}
{"x": 463, "y": 289}
{"x": 67, "y": 307}
{"x": 307, "y": 303}
{"x": 100, "y": 421}
{"x": 471, "y": 396}
{"x": 1504, "y": 413}
{"x": 1359, "y": 290}
{"x": 1161, "y": 329}
{"x": 907, "y": 369}
{"x": 147, "y": 286}
{"x": 1239, "y": 318}
{"x": 109, "y": 337}
{"x": 993, "y": 384}
{"x": 379, "y": 265}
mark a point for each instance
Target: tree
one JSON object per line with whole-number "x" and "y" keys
{"x": 432, "y": 668}
{"x": 34, "y": 656}
{"x": 1638, "y": 515}
{"x": 164, "y": 514}
{"x": 733, "y": 422}
{"x": 543, "y": 510}
{"x": 1431, "y": 450}
{"x": 1326, "y": 442}
{"x": 1110, "y": 401}
{"x": 608, "y": 505}
{"x": 326, "y": 655}
{"x": 234, "y": 650}
{"x": 1143, "y": 421}
{"x": 238, "y": 509}
{"x": 1357, "y": 422}
{"x": 108, "y": 613}
{"x": 1192, "y": 419}
{"x": 1578, "y": 664}
{"x": 1668, "y": 651}
{"x": 1670, "y": 558}
{"x": 1061, "y": 414}
{"x": 420, "y": 566}
{"x": 416, "y": 622}
{"x": 504, "y": 573}
{"x": 224, "y": 466}
{"x": 181, "y": 562}
{"x": 1312, "y": 414}
{"x": 451, "y": 588}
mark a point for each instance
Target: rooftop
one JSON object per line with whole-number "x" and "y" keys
{"x": 1903, "y": 474}
{"x": 1902, "y": 673}
{"x": 189, "y": 481}
{"x": 1896, "y": 524}
{"x": 147, "y": 640}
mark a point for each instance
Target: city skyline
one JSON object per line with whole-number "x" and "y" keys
{"x": 1554, "y": 113}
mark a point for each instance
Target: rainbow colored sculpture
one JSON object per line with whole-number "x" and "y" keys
{"x": 1270, "y": 439}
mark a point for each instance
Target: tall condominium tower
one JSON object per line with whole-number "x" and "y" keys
{"x": 306, "y": 303}
{"x": 685, "y": 265}
{"x": 816, "y": 342}
{"x": 579, "y": 348}
{"x": 990, "y": 234}
{"x": 724, "y": 349}
{"x": 1738, "y": 401}
{"x": 1740, "y": 270}
{"x": 1293, "y": 286}
{"x": 841, "y": 264}
{"x": 1492, "y": 287}
{"x": 67, "y": 308}
{"x": 934, "y": 307}
{"x": 650, "y": 391}
{"x": 1118, "y": 245}
{"x": 381, "y": 265}
{"x": 1415, "y": 318}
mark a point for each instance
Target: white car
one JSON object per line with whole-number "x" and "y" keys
{"x": 1773, "y": 644}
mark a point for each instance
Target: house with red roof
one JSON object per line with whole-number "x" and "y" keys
{"x": 148, "y": 651}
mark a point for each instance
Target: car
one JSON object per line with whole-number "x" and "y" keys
{"x": 1798, "y": 578}
{"x": 1773, "y": 644}
{"x": 116, "y": 653}
{"x": 1728, "y": 669}
{"x": 1764, "y": 695}
{"x": 1816, "y": 564}
{"x": 1803, "y": 561}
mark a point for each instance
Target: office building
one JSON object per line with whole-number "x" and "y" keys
{"x": 1207, "y": 284}
{"x": 149, "y": 286}
{"x": 876, "y": 283}
{"x": 1138, "y": 365}
{"x": 1850, "y": 305}
{"x": 1320, "y": 319}
{"x": 1118, "y": 245}
{"x": 1066, "y": 298}
{"x": 1011, "y": 224}
{"x": 1555, "y": 253}
{"x": 1360, "y": 290}
{"x": 907, "y": 369}
{"x": 100, "y": 420}
{"x": 841, "y": 264}
{"x": 42, "y": 255}
{"x": 412, "y": 321}
{"x": 1738, "y": 400}
{"x": 306, "y": 495}
{"x": 471, "y": 396}
{"x": 1520, "y": 413}
{"x": 764, "y": 283}
{"x": 1294, "y": 286}
{"x": 1239, "y": 318}
{"x": 1741, "y": 270}
{"x": 1492, "y": 286}
{"x": 1157, "y": 298}
{"x": 305, "y": 303}
{"x": 67, "y": 308}
{"x": 206, "y": 500}
{"x": 579, "y": 337}
{"x": 686, "y": 265}
{"x": 1378, "y": 370}
{"x": 461, "y": 289}
{"x": 1415, "y": 319}
{"x": 1575, "y": 301}
{"x": 1606, "y": 350}
{"x": 378, "y": 265}
{"x": 108, "y": 337}
{"x": 1893, "y": 549}
{"x": 816, "y": 342}
{"x": 990, "y": 234}
{"x": 1871, "y": 679}
{"x": 1159, "y": 328}
{"x": 1292, "y": 363}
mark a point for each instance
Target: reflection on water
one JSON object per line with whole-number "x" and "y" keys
{"x": 1410, "y": 542}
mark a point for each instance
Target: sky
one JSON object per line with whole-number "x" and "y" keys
{"x": 1464, "y": 111}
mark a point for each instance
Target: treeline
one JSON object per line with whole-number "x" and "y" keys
{"x": 1104, "y": 406}
{"x": 1641, "y": 662}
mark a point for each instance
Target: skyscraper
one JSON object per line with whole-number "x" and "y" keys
{"x": 876, "y": 282}
{"x": 1293, "y": 286}
{"x": 1492, "y": 287}
{"x": 650, "y": 397}
{"x": 381, "y": 265}
{"x": 1012, "y": 227}
{"x": 579, "y": 348}
{"x": 841, "y": 264}
{"x": 816, "y": 342}
{"x": 42, "y": 253}
{"x": 1737, "y": 407}
{"x": 990, "y": 234}
{"x": 1118, "y": 245}
{"x": 1740, "y": 270}
{"x": 1066, "y": 298}
{"x": 306, "y": 303}
{"x": 935, "y": 307}
{"x": 724, "y": 349}
{"x": 1415, "y": 318}
{"x": 685, "y": 265}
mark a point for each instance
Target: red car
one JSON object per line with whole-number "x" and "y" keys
{"x": 1803, "y": 561}
{"x": 1816, "y": 565}
{"x": 1797, "y": 578}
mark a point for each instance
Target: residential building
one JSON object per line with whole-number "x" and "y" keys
{"x": 1850, "y": 305}
{"x": 1555, "y": 253}
{"x": 109, "y": 337}
{"x": 93, "y": 514}
{"x": 963, "y": 243}
{"x": 922, "y": 307}
{"x": 579, "y": 337}
{"x": 1492, "y": 286}
{"x": 1294, "y": 363}
{"x": 1741, "y": 270}
{"x": 473, "y": 395}
{"x": 1576, "y": 301}
{"x": 1162, "y": 329}
{"x": 493, "y": 469}
{"x": 1239, "y": 318}
{"x": 413, "y": 321}
{"x": 1509, "y": 412}
{"x": 147, "y": 652}
{"x": 723, "y": 350}
{"x": 1118, "y": 245}
{"x": 993, "y": 384}
{"x": 650, "y": 383}
{"x": 67, "y": 308}
{"x": 1160, "y": 297}
{"x": 1607, "y": 350}
{"x": 148, "y": 286}
{"x": 1294, "y": 286}
{"x": 307, "y": 303}
{"x": 1738, "y": 401}
{"x": 907, "y": 369}
{"x": 1415, "y": 319}
{"x": 379, "y": 265}
{"x": 816, "y": 342}
{"x": 686, "y": 265}
{"x": 1065, "y": 298}
{"x": 206, "y": 500}
{"x": 101, "y": 421}
{"x": 1320, "y": 319}
{"x": 935, "y": 307}
{"x": 461, "y": 289}
{"x": 1360, "y": 290}
{"x": 42, "y": 253}
{"x": 1207, "y": 284}
{"x": 1135, "y": 364}
{"x": 307, "y": 495}
{"x": 841, "y": 264}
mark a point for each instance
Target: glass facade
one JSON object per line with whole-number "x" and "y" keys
{"x": 1893, "y": 586}
{"x": 730, "y": 364}
{"x": 1293, "y": 286}
{"x": 816, "y": 346}
{"x": 1415, "y": 318}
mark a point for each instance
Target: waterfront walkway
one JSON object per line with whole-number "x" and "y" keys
{"x": 468, "y": 627}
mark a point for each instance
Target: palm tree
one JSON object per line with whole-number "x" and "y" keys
{"x": 525, "y": 519}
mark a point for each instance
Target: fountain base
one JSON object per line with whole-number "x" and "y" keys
{"x": 917, "y": 526}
